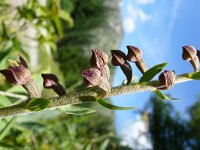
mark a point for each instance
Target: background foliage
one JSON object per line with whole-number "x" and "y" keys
{"x": 61, "y": 34}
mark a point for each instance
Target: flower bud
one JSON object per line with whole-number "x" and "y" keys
{"x": 104, "y": 84}
{"x": 134, "y": 54}
{"x": 98, "y": 59}
{"x": 105, "y": 72}
{"x": 191, "y": 54}
{"x": 91, "y": 76}
{"x": 127, "y": 70}
{"x": 51, "y": 82}
{"x": 167, "y": 79}
{"x": 17, "y": 74}
{"x": 118, "y": 57}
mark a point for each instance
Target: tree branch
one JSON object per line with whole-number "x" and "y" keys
{"x": 81, "y": 97}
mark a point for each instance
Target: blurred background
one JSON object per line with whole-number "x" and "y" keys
{"x": 57, "y": 36}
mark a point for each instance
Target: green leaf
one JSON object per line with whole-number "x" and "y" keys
{"x": 6, "y": 50}
{"x": 77, "y": 110}
{"x": 163, "y": 96}
{"x": 58, "y": 26}
{"x": 4, "y": 101}
{"x": 195, "y": 75}
{"x": 149, "y": 74}
{"x": 7, "y": 128}
{"x": 6, "y": 145}
{"x": 105, "y": 103}
{"x": 66, "y": 16}
{"x": 37, "y": 104}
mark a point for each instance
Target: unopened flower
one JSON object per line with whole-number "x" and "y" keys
{"x": 92, "y": 77}
{"x": 118, "y": 58}
{"x": 127, "y": 70}
{"x": 51, "y": 82}
{"x": 18, "y": 74}
{"x": 167, "y": 79}
{"x": 135, "y": 55}
{"x": 190, "y": 54}
{"x": 98, "y": 59}
{"x": 105, "y": 72}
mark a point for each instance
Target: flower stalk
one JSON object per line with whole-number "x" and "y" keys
{"x": 76, "y": 98}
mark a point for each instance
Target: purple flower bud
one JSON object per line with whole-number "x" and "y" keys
{"x": 134, "y": 54}
{"x": 127, "y": 70}
{"x": 51, "y": 82}
{"x": 98, "y": 59}
{"x": 118, "y": 57}
{"x": 104, "y": 84}
{"x": 105, "y": 72}
{"x": 167, "y": 79}
{"x": 91, "y": 76}
{"x": 190, "y": 54}
{"x": 17, "y": 74}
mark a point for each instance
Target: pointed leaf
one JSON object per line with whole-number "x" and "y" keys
{"x": 105, "y": 103}
{"x": 10, "y": 146}
{"x": 37, "y": 104}
{"x": 195, "y": 75}
{"x": 77, "y": 110}
{"x": 66, "y": 16}
{"x": 7, "y": 128}
{"x": 149, "y": 74}
{"x": 163, "y": 96}
{"x": 6, "y": 50}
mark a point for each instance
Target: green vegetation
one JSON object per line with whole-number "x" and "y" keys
{"x": 169, "y": 130}
{"x": 65, "y": 33}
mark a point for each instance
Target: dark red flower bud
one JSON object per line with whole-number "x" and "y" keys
{"x": 134, "y": 54}
{"x": 98, "y": 59}
{"x": 118, "y": 57}
{"x": 17, "y": 74}
{"x": 190, "y": 54}
{"x": 93, "y": 77}
{"x": 127, "y": 70}
{"x": 167, "y": 79}
{"x": 51, "y": 82}
{"x": 105, "y": 72}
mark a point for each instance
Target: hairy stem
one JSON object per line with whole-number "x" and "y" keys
{"x": 81, "y": 97}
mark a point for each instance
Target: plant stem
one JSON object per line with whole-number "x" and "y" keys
{"x": 81, "y": 97}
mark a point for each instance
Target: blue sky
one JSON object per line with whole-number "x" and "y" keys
{"x": 159, "y": 28}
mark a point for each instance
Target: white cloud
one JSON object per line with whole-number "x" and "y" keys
{"x": 134, "y": 16}
{"x": 129, "y": 25}
{"x": 135, "y": 135}
{"x": 143, "y": 16}
{"x": 145, "y": 2}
